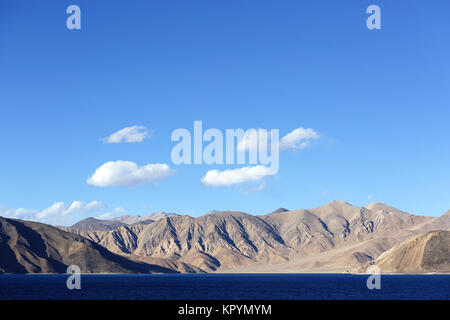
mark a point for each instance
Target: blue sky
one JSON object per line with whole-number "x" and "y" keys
{"x": 378, "y": 99}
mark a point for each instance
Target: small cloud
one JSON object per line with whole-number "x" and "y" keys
{"x": 218, "y": 178}
{"x": 129, "y": 134}
{"x": 369, "y": 198}
{"x": 18, "y": 213}
{"x": 127, "y": 173}
{"x": 299, "y": 138}
{"x": 112, "y": 214}
{"x": 62, "y": 209}
{"x": 324, "y": 192}
{"x": 258, "y": 188}
{"x": 94, "y": 205}
{"x": 59, "y": 213}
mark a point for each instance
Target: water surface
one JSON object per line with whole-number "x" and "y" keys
{"x": 225, "y": 286}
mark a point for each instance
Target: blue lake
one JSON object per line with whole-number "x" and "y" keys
{"x": 225, "y": 287}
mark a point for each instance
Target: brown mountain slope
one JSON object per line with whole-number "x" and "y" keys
{"x": 429, "y": 252}
{"x": 30, "y": 247}
{"x": 94, "y": 235}
{"x": 237, "y": 238}
{"x": 231, "y": 238}
{"x": 337, "y": 236}
{"x": 338, "y": 224}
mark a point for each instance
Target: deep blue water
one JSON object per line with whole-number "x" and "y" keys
{"x": 225, "y": 286}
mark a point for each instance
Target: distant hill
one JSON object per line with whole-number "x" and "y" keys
{"x": 108, "y": 225}
{"x": 97, "y": 224}
{"x": 127, "y": 219}
{"x": 439, "y": 223}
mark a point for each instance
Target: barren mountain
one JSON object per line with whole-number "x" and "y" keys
{"x": 337, "y": 236}
{"x": 30, "y": 247}
{"x": 225, "y": 239}
{"x": 429, "y": 252}
{"x": 107, "y": 225}
{"x": 94, "y": 235}
{"x": 339, "y": 223}
{"x": 333, "y": 237}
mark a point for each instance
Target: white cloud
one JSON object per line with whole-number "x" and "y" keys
{"x": 258, "y": 188}
{"x": 58, "y": 208}
{"x": 118, "y": 211}
{"x": 218, "y": 178}
{"x": 62, "y": 209}
{"x": 93, "y": 205}
{"x": 127, "y": 173}
{"x": 128, "y": 134}
{"x": 18, "y": 213}
{"x": 60, "y": 213}
{"x": 299, "y": 138}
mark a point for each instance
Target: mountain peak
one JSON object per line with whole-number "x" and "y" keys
{"x": 86, "y": 221}
{"x": 97, "y": 224}
{"x": 377, "y": 206}
{"x": 279, "y": 210}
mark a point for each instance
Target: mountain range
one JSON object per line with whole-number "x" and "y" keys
{"x": 336, "y": 237}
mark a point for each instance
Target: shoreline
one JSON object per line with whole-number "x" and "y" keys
{"x": 236, "y": 273}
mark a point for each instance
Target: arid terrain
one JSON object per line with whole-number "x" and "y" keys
{"x": 424, "y": 253}
{"x": 336, "y": 237}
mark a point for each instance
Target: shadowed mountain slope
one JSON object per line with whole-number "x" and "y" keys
{"x": 31, "y": 247}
